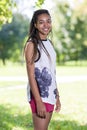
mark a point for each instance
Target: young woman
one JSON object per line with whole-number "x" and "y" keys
{"x": 41, "y": 64}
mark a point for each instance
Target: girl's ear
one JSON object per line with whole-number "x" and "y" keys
{"x": 35, "y": 25}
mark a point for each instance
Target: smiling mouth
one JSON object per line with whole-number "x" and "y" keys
{"x": 46, "y": 29}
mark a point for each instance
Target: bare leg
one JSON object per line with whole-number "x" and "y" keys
{"x": 41, "y": 123}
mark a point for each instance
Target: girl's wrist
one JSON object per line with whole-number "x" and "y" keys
{"x": 38, "y": 100}
{"x": 57, "y": 96}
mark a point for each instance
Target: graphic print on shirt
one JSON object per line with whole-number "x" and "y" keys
{"x": 44, "y": 81}
{"x": 55, "y": 92}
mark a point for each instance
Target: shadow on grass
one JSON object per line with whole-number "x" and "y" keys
{"x": 63, "y": 124}
{"x": 9, "y": 120}
{"x": 13, "y": 120}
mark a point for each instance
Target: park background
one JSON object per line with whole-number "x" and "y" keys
{"x": 69, "y": 21}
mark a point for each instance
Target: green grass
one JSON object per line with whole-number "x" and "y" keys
{"x": 13, "y": 70}
{"x": 15, "y": 112}
{"x": 11, "y": 83}
{"x": 71, "y": 70}
{"x": 76, "y": 63}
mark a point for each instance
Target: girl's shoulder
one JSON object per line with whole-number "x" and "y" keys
{"x": 29, "y": 45}
{"x": 29, "y": 48}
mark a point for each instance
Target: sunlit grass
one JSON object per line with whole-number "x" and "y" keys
{"x": 74, "y": 95}
{"x": 71, "y": 70}
{"x": 13, "y": 70}
{"x": 11, "y": 83}
{"x": 14, "y": 110}
{"x": 74, "y": 107}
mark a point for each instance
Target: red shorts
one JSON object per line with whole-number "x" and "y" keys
{"x": 49, "y": 107}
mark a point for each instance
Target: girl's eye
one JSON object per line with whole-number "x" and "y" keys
{"x": 41, "y": 22}
{"x": 49, "y": 21}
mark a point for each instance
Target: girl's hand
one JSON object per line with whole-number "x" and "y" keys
{"x": 58, "y": 105}
{"x": 41, "y": 109}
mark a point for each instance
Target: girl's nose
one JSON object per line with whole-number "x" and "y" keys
{"x": 45, "y": 24}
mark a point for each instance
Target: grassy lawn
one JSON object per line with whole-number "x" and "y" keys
{"x": 10, "y": 72}
{"x": 15, "y": 113}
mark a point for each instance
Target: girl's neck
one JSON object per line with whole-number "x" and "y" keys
{"x": 43, "y": 37}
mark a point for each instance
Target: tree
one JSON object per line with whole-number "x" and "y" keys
{"x": 61, "y": 33}
{"x": 39, "y": 3}
{"x": 70, "y": 29}
{"x": 80, "y": 16}
{"x": 13, "y": 32}
{"x": 6, "y": 7}
{"x": 12, "y": 38}
{"x": 6, "y": 11}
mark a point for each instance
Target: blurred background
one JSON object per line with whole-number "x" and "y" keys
{"x": 69, "y": 35}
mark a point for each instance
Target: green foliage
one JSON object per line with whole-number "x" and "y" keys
{"x": 12, "y": 38}
{"x": 6, "y": 7}
{"x": 39, "y": 3}
{"x": 6, "y": 11}
{"x": 70, "y": 29}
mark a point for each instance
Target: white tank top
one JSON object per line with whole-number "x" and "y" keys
{"x": 45, "y": 74}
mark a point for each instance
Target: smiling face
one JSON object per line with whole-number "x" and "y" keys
{"x": 43, "y": 25}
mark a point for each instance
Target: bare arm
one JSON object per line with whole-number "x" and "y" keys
{"x": 58, "y": 103}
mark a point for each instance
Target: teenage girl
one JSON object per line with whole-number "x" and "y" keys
{"x": 41, "y": 65}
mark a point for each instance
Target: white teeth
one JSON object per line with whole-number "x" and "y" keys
{"x": 46, "y": 29}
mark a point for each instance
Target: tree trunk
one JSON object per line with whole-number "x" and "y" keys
{"x": 3, "y": 60}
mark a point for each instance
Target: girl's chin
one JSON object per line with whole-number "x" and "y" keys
{"x": 45, "y": 33}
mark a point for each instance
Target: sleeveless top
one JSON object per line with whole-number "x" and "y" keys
{"x": 45, "y": 74}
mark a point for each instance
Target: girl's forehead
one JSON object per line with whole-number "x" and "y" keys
{"x": 41, "y": 16}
